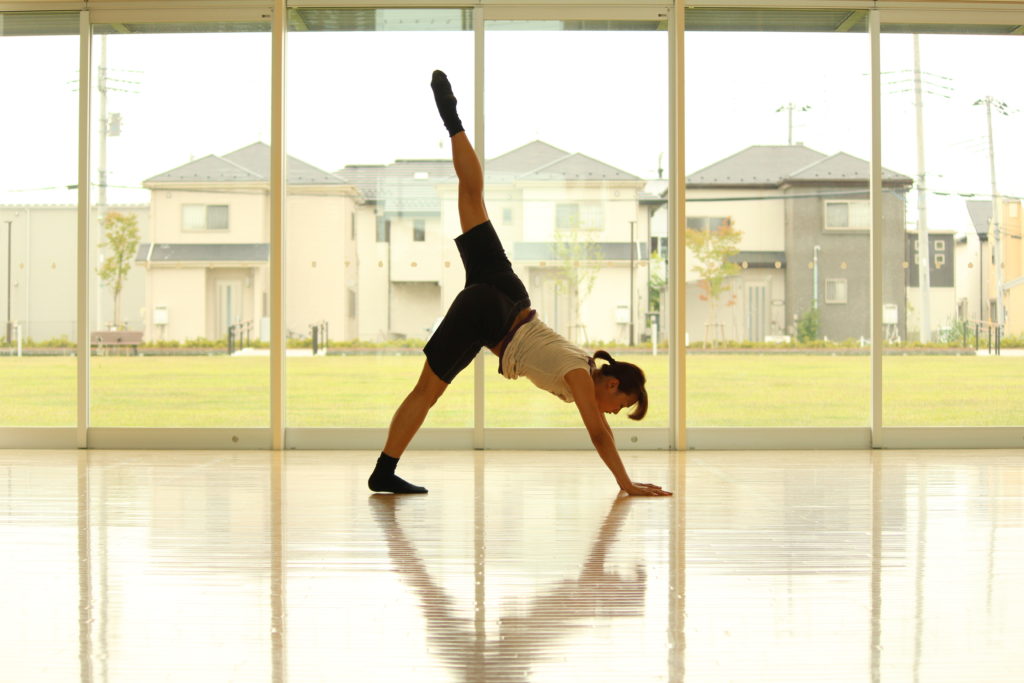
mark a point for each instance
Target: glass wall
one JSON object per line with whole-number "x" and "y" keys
{"x": 576, "y": 159}
{"x": 777, "y": 220}
{"x": 38, "y": 219}
{"x": 371, "y": 265}
{"x": 953, "y": 122}
{"x": 181, "y": 166}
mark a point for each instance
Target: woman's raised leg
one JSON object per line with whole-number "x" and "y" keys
{"x": 472, "y": 211}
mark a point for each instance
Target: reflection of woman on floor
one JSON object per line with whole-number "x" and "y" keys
{"x": 527, "y": 635}
{"x": 493, "y": 310}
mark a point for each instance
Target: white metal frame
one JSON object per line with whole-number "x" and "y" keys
{"x": 277, "y": 436}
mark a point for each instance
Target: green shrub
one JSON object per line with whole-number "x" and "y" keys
{"x": 808, "y": 326}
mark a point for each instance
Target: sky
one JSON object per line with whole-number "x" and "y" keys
{"x": 363, "y": 97}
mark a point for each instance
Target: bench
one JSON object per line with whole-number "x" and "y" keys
{"x": 105, "y": 341}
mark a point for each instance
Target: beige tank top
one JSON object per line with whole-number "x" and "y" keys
{"x": 544, "y": 357}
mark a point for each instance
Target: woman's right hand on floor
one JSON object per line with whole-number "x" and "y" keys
{"x": 638, "y": 489}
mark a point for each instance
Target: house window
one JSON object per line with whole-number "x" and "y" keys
{"x": 707, "y": 222}
{"x": 196, "y": 217}
{"x": 852, "y": 215}
{"x": 567, "y": 216}
{"x": 583, "y": 216}
{"x": 419, "y": 230}
{"x": 353, "y": 303}
{"x": 835, "y": 290}
{"x": 352, "y": 226}
{"x": 383, "y": 229}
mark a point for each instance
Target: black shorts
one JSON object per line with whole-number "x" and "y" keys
{"x": 483, "y": 311}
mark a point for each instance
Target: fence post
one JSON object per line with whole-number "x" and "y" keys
{"x": 231, "y": 339}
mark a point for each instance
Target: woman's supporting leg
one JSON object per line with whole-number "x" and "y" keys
{"x": 404, "y": 425}
{"x": 467, "y": 166}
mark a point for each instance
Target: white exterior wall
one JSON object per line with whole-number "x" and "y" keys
{"x": 415, "y": 306}
{"x": 970, "y": 269}
{"x": 43, "y": 272}
{"x": 600, "y": 310}
{"x": 248, "y": 216}
{"x": 417, "y": 261}
{"x": 374, "y": 312}
{"x": 318, "y": 246}
{"x": 183, "y": 292}
{"x": 941, "y": 313}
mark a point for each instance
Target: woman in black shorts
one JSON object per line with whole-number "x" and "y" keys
{"x": 493, "y": 310}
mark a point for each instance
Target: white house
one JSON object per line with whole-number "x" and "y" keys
{"x": 206, "y": 255}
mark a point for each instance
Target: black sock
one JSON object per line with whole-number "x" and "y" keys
{"x": 446, "y": 102}
{"x": 384, "y": 478}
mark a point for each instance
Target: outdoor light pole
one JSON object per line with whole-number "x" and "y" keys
{"x": 632, "y": 292}
{"x": 814, "y": 289}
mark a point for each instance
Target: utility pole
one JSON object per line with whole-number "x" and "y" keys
{"x": 789, "y": 108}
{"x": 10, "y": 323}
{"x": 109, "y": 127}
{"x": 101, "y": 86}
{"x": 924, "y": 262}
{"x": 997, "y": 245}
{"x": 814, "y": 285}
{"x": 101, "y": 197}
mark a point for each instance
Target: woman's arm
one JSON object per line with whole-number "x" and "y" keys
{"x": 601, "y": 434}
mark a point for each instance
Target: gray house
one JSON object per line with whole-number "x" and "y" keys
{"x": 805, "y": 219}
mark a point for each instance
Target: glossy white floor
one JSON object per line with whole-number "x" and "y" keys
{"x": 766, "y": 566}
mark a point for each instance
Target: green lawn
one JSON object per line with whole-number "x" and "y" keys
{"x": 363, "y": 391}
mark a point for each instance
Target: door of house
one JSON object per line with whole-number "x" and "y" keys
{"x": 757, "y": 311}
{"x": 228, "y": 309}
{"x": 552, "y": 304}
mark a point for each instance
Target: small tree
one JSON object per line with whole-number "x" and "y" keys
{"x": 658, "y": 281}
{"x": 121, "y": 237}
{"x": 577, "y": 270}
{"x": 711, "y": 250}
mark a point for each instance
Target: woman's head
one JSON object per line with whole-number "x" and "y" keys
{"x": 619, "y": 385}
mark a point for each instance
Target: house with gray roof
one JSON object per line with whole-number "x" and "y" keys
{"x": 206, "y": 251}
{"x": 804, "y": 217}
